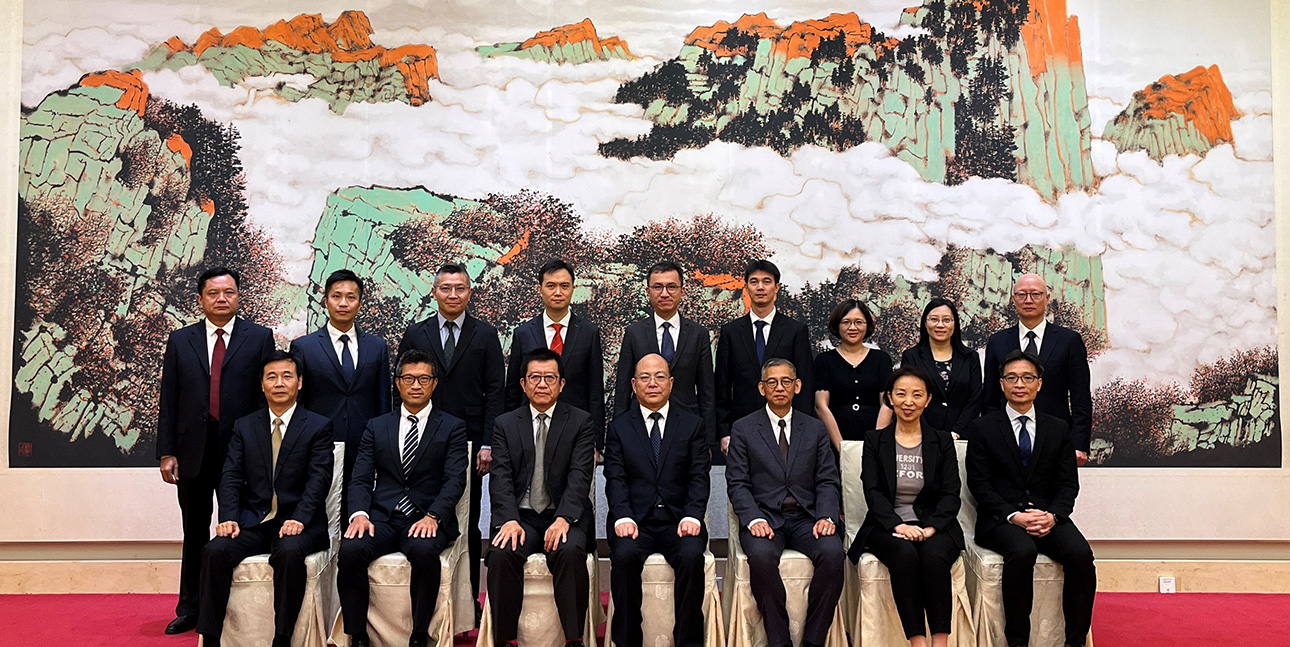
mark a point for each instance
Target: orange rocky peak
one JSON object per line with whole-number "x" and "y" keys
{"x": 134, "y": 92}
{"x": 579, "y": 32}
{"x": 1051, "y": 35}
{"x": 800, "y": 39}
{"x": 1200, "y": 96}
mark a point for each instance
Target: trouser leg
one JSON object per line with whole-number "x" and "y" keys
{"x": 1019, "y": 553}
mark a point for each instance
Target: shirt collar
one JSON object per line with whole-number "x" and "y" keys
{"x": 286, "y": 417}
{"x": 550, "y": 413}
{"x": 335, "y": 333}
{"x": 564, "y": 323}
{"x": 675, "y": 321}
{"x": 774, "y": 419}
{"x": 1038, "y": 330}
{"x": 227, "y": 328}
{"x": 769, "y": 319}
{"x": 645, "y": 412}
{"x": 421, "y": 415}
{"x": 1013, "y": 414}
{"x": 443, "y": 320}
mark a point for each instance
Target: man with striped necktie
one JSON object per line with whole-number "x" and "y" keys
{"x": 408, "y": 476}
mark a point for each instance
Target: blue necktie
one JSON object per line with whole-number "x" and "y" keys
{"x": 656, "y": 434}
{"x": 761, "y": 342}
{"x": 1023, "y": 442}
{"x": 668, "y": 348}
{"x": 346, "y": 359}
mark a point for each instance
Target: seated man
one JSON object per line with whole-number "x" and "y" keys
{"x": 543, "y": 463}
{"x": 1021, "y": 467}
{"x": 272, "y": 499}
{"x": 783, "y": 484}
{"x": 409, "y": 473}
{"x": 656, "y": 482}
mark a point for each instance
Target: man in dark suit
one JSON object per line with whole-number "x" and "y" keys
{"x": 346, "y": 371}
{"x": 1021, "y": 470}
{"x": 409, "y": 475}
{"x": 471, "y": 387}
{"x": 684, "y": 343}
{"x": 543, "y": 464}
{"x": 747, "y": 342}
{"x": 783, "y": 484}
{"x": 210, "y": 377}
{"x": 272, "y": 498}
{"x": 656, "y": 482}
{"x": 1066, "y": 392}
{"x": 575, "y": 338}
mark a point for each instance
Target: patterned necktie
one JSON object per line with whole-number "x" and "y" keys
{"x": 668, "y": 348}
{"x": 217, "y": 367}
{"x": 450, "y": 344}
{"x": 1031, "y": 347}
{"x": 346, "y": 359}
{"x": 557, "y": 344}
{"x": 538, "y": 497}
{"x": 783, "y": 440}
{"x": 409, "y": 451}
{"x": 276, "y": 442}
{"x": 761, "y": 341}
{"x": 1023, "y": 442}
{"x": 656, "y": 434}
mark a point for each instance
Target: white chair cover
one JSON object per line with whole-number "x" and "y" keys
{"x": 658, "y": 611}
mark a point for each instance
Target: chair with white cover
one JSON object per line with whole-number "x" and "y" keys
{"x": 389, "y": 614}
{"x": 249, "y": 619}
{"x": 876, "y": 622}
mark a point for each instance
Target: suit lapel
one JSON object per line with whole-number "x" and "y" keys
{"x": 796, "y": 444}
{"x": 683, "y": 337}
{"x": 887, "y": 454}
{"x": 262, "y": 436}
{"x": 927, "y": 362}
{"x": 536, "y": 332}
{"x": 463, "y": 340}
{"x": 433, "y": 422}
{"x": 198, "y": 340}
{"x": 324, "y": 345}
{"x": 570, "y": 332}
{"x": 642, "y": 428}
{"x": 391, "y": 434}
{"x": 776, "y": 335}
{"x": 1012, "y": 338}
{"x": 958, "y": 371}
{"x": 368, "y": 356}
{"x": 768, "y": 433}
{"x": 291, "y": 436}
{"x": 1010, "y": 440}
{"x": 1049, "y": 346}
{"x": 432, "y": 341}
{"x": 746, "y": 337}
{"x": 526, "y": 444}
{"x": 1041, "y": 440}
{"x": 554, "y": 434}
{"x": 236, "y": 337}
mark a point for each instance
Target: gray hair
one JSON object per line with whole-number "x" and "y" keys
{"x": 777, "y": 361}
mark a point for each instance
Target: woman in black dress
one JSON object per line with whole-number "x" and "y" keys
{"x": 955, "y": 370}
{"x": 849, "y": 379}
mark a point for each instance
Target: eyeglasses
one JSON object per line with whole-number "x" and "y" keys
{"x": 786, "y": 382}
{"x": 1025, "y": 379}
{"x": 1029, "y": 296}
{"x": 647, "y": 378}
{"x": 665, "y": 287}
{"x": 853, "y": 323}
{"x": 453, "y": 289}
{"x": 934, "y": 321}
{"x": 537, "y": 378}
{"x": 423, "y": 380}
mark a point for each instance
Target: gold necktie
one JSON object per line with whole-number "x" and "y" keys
{"x": 277, "y": 444}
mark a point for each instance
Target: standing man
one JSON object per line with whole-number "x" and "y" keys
{"x": 1021, "y": 469}
{"x": 783, "y": 484}
{"x": 272, "y": 499}
{"x": 575, "y": 339}
{"x": 541, "y": 500}
{"x": 210, "y": 377}
{"x": 684, "y": 343}
{"x": 656, "y": 482}
{"x": 1066, "y": 392}
{"x": 470, "y": 388}
{"x": 409, "y": 476}
{"x": 747, "y": 342}
{"x": 346, "y": 372}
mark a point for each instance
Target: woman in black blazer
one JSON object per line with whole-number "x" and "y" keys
{"x": 956, "y": 386}
{"x": 911, "y": 482}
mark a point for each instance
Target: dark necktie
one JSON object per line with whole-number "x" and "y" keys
{"x": 217, "y": 367}
{"x": 789, "y": 504}
{"x": 346, "y": 359}
{"x": 449, "y": 344}
{"x": 783, "y": 440}
{"x": 1023, "y": 442}
{"x": 668, "y": 348}
{"x": 557, "y": 343}
{"x": 409, "y": 450}
{"x": 761, "y": 342}
{"x": 656, "y": 434}
{"x": 1031, "y": 347}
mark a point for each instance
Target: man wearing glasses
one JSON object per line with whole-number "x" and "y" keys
{"x": 408, "y": 476}
{"x": 782, "y": 481}
{"x": 1066, "y": 393}
{"x": 683, "y": 343}
{"x": 1021, "y": 470}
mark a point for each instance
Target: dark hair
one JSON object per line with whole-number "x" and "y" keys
{"x": 905, "y": 371}
{"x": 761, "y": 265}
{"x": 663, "y": 267}
{"x": 552, "y": 266}
{"x": 279, "y": 355}
{"x": 778, "y": 361}
{"x": 451, "y": 268}
{"x": 543, "y": 355}
{"x": 956, "y": 338}
{"x": 218, "y": 271}
{"x": 340, "y": 276}
{"x": 416, "y": 356}
{"x": 1022, "y": 356}
{"x": 847, "y": 305}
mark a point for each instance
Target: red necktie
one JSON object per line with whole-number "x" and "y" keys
{"x": 557, "y": 344}
{"x": 217, "y": 365}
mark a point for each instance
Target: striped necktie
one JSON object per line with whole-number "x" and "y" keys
{"x": 409, "y": 452}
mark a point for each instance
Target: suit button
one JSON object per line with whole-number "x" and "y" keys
{"x": 855, "y": 407}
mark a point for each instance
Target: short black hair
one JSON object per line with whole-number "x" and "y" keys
{"x": 761, "y": 265}
{"x": 218, "y": 271}
{"x": 1022, "y": 356}
{"x": 552, "y": 266}
{"x": 343, "y": 275}
{"x": 416, "y": 356}
{"x": 905, "y": 371}
{"x": 847, "y": 305}
{"x": 543, "y": 355}
{"x": 279, "y": 355}
{"x": 663, "y": 267}
{"x": 452, "y": 268}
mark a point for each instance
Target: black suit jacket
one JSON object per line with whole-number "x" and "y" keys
{"x": 301, "y": 480}
{"x": 348, "y": 403}
{"x": 738, "y": 371}
{"x": 757, "y": 478}
{"x": 953, "y": 409}
{"x": 937, "y": 505}
{"x": 634, "y": 480}
{"x": 584, "y": 367}
{"x": 1002, "y": 486}
{"x": 1066, "y": 392}
{"x": 183, "y": 413}
{"x": 471, "y": 385}
{"x": 570, "y": 466}
{"x": 691, "y": 367}
{"x": 435, "y": 481}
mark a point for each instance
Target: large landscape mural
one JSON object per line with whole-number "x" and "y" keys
{"x": 1122, "y": 150}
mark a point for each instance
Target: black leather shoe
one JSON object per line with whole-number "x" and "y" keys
{"x": 360, "y": 641}
{"x": 573, "y": 643}
{"x": 479, "y": 614}
{"x": 181, "y": 624}
{"x": 419, "y": 641}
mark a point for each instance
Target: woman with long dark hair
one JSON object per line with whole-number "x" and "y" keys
{"x": 956, "y": 388}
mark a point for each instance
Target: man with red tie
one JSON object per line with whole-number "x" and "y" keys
{"x": 577, "y": 341}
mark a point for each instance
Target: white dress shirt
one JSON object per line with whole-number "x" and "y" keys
{"x": 443, "y": 328}
{"x": 286, "y": 420}
{"x": 353, "y": 343}
{"x": 549, "y": 329}
{"x": 662, "y": 431}
{"x": 1039, "y": 334}
{"x": 210, "y": 337}
{"x": 675, "y": 330}
{"x": 774, "y": 430}
{"x": 1014, "y": 418}
{"x": 765, "y": 330}
{"x": 405, "y": 426}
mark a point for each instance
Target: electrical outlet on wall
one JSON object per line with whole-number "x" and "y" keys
{"x": 1167, "y": 584}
